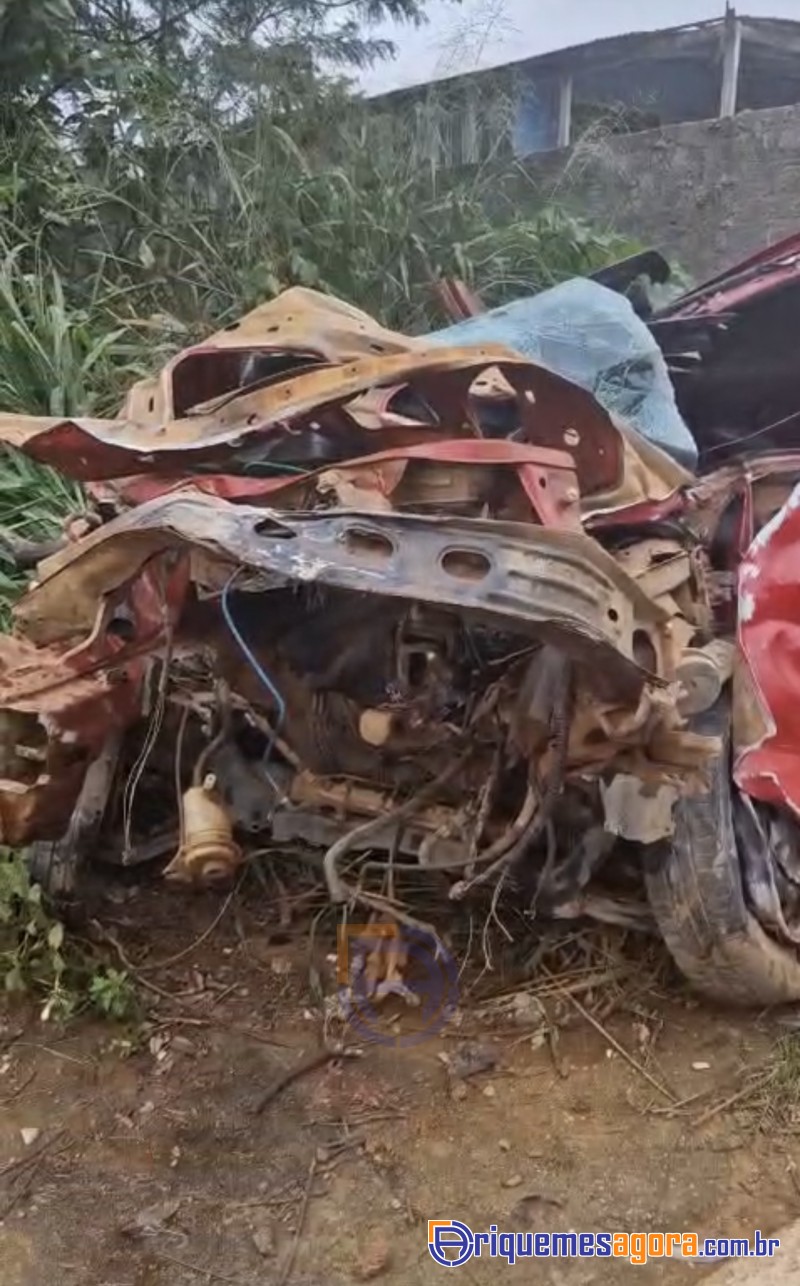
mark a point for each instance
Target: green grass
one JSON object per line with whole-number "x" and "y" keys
{"x": 781, "y": 1092}
{"x": 56, "y": 357}
{"x": 34, "y": 502}
{"x": 55, "y": 360}
{"x": 39, "y": 960}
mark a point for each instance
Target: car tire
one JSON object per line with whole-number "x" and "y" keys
{"x": 55, "y": 866}
{"x": 697, "y": 894}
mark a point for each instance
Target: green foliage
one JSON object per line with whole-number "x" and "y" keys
{"x": 57, "y": 359}
{"x": 187, "y": 232}
{"x": 37, "y": 957}
{"x": 34, "y": 501}
{"x": 191, "y": 157}
{"x": 85, "y": 61}
{"x": 32, "y": 39}
{"x": 113, "y": 994}
{"x": 32, "y": 942}
{"x": 59, "y": 356}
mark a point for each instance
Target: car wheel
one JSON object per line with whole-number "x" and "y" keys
{"x": 697, "y": 886}
{"x": 54, "y": 865}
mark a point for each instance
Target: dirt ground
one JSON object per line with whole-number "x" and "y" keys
{"x": 151, "y": 1166}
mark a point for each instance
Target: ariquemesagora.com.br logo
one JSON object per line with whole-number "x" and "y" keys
{"x": 380, "y": 960}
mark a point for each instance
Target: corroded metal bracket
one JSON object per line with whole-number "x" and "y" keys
{"x": 558, "y": 586}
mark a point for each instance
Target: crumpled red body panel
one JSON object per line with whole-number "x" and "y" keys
{"x": 769, "y": 637}
{"x": 546, "y": 476}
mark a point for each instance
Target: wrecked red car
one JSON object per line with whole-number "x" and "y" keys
{"x": 327, "y": 608}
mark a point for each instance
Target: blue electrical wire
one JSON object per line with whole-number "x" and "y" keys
{"x": 253, "y": 661}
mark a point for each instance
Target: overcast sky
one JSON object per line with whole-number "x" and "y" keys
{"x": 483, "y": 33}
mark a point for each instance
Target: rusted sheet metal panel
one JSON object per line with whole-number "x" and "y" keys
{"x": 56, "y": 708}
{"x": 558, "y": 585}
{"x": 546, "y": 477}
{"x": 19, "y": 430}
{"x": 75, "y": 696}
{"x": 240, "y": 414}
{"x": 767, "y": 762}
{"x": 299, "y": 323}
{"x": 270, "y": 424}
{"x": 302, "y": 319}
{"x": 320, "y": 368}
{"x": 650, "y": 482}
{"x": 61, "y": 700}
{"x": 104, "y": 670}
{"x": 120, "y": 447}
{"x": 39, "y": 807}
{"x": 142, "y": 487}
{"x": 651, "y": 486}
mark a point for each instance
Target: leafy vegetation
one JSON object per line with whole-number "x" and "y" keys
{"x": 34, "y": 501}
{"x": 36, "y": 957}
{"x": 112, "y": 993}
{"x": 171, "y": 162}
{"x": 31, "y": 940}
{"x": 57, "y": 358}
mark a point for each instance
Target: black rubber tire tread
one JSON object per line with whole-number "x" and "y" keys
{"x": 694, "y": 885}
{"x": 54, "y": 865}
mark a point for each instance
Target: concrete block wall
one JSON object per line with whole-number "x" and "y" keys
{"x": 708, "y": 193}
